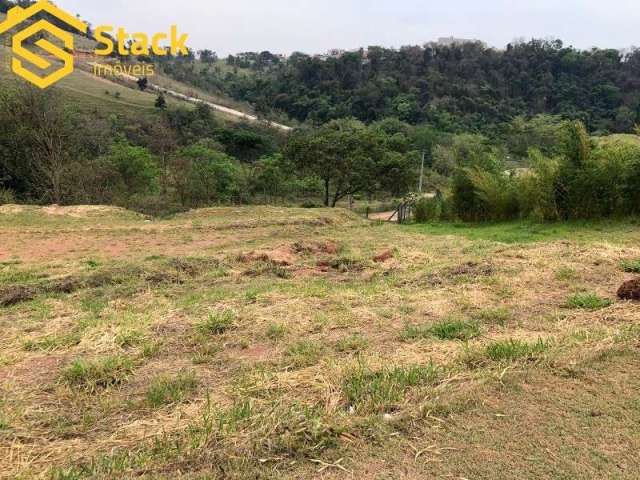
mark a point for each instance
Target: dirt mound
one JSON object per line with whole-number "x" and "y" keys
{"x": 630, "y": 290}
{"x": 383, "y": 256}
{"x": 283, "y": 256}
{"x": 307, "y": 248}
{"x": 76, "y": 211}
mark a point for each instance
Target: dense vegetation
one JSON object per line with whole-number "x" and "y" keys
{"x": 456, "y": 88}
{"x": 519, "y": 133}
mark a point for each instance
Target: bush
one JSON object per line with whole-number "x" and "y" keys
{"x": 6, "y": 196}
{"x": 428, "y": 210}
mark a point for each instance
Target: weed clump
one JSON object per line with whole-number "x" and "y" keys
{"x": 379, "y": 391}
{"x": 449, "y": 329}
{"x": 511, "y": 350}
{"x": 92, "y": 375}
{"x": 217, "y": 323}
{"x": 588, "y": 301}
{"x": 170, "y": 390}
{"x": 631, "y": 266}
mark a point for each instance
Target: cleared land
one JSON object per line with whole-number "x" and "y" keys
{"x": 290, "y": 343}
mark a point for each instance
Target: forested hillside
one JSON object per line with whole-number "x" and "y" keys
{"x": 455, "y": 88}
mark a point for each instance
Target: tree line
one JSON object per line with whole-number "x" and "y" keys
{"x": 457, "y": 88}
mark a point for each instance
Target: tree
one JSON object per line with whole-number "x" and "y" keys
{"x": 203, "y": 176}
{"x": 344, "y": 154}
{"x": 161, "y": 102}
{"x": 37, "y": 144}
{"x": 208, "y": 56}
{"x": 142, "y": 83}
{"x": 137, "y": 169}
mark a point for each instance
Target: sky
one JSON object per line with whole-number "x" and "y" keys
{"x": 284, "y": 26}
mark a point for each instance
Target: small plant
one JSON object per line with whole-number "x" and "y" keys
{"x": 217, "y": 323}
{"x": 304, "y": 354}
{"x": 276, "y": 331}
{"x": 631, "y": 266}
{"x": 91, "y": 375}
{"x": 456, "y": 330}
{"x": 588, "y": 301}
{"x": 510, "y": 350}
{"x": 450, "y": 329}
{"x": 92, "y": 264}
{"x": 169, "y": 390}
{"x": 378, "y": 391}
{"x": 355, "y": 343}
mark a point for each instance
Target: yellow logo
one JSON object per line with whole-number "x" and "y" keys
{"x": 18, "y": 15}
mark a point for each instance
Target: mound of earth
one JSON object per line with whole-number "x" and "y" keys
{"x": 283, "y": 256}
{"x": 630, "y": 290}
{"x": 76, "y": 211}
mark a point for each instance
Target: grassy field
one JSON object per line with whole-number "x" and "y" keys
{"x": 289, "y": 343}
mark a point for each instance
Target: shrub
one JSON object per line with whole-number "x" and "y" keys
{"x": 428, "y": 210}
{"x": 6, "y": 196}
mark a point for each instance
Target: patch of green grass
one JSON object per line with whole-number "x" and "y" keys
{"x": 169, "y": 390}
{"x": 304, "y": 353}
{"x": 52, "y": 342}
{"x": 496, "y": 316}
{"x": 631, "y": 266}
{"x": 92, "y": 375}
{"x": 588, "y": 301}
{"x": 354, "y": 343}
{"x": 129, "y": 338}
{"x": 510, "y": 350}
{"x": 217, "y": 323}
{"x": 526, "y": 232}
{"x": 276, "y": 331}
{"x": 379, "y": 391}
{"x": 449, "y": 329}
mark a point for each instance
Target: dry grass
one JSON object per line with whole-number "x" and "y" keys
{"x": 267, "y": 343}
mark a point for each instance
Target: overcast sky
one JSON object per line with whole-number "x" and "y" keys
{"x": 314, "y": 26}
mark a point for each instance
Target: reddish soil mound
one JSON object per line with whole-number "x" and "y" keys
{"x": 630, "y": 290}
{"x": 330, "y": 248}
{"x": 282, "y": 256}
{"x": 384, "y": 256}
